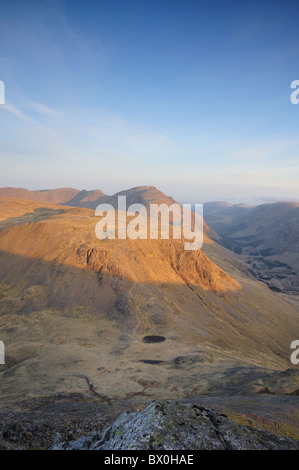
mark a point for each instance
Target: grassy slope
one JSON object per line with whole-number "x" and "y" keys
{"x": 74, "y": 310}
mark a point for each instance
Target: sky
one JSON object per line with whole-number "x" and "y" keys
{"x": 191, "y": 97}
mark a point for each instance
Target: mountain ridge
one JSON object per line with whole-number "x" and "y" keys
{"x": 267, "y": 237}
{"x": 78, "y": 307}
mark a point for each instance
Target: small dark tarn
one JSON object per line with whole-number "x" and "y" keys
{"x": 149, "y": 361}
{"x": 153, "y": 339}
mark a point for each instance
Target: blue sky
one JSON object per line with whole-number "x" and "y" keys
{"x": 192, "y": 97}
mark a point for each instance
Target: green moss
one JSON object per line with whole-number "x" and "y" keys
{"x": 119, "y": 430}
{"x": 158, "y": 439}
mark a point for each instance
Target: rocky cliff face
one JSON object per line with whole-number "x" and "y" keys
{"x": 173, "y": 426}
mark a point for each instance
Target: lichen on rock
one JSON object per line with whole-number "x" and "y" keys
{"x": 173, "y": 426}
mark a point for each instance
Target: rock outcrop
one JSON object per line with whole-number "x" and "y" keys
{"x": 173, "y": 426}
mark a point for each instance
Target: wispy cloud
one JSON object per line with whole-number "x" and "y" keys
{"x": 15, "y": 111}
{"x": 41, "y": 108}
{"x": 269, "y": 149}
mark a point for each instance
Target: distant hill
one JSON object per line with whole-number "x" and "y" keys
{"x": 145, "y": 195}
{"x": 266, "y": 235}
{"x": 86, "y": 199}
{"x": 89, "y": 199}
{"x": 220, "y": 212}
{"x": 139, "y": 195}
{"x": 53, "y": 196}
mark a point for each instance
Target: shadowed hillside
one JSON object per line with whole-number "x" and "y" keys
{"x": 75, "y": 311}
{"x": 267, "y": 237}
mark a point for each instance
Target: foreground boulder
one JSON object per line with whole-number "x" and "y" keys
{"x": 173, "y": 426}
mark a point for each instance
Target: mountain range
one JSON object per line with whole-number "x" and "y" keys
{"x": 133, "y": 319}
{"x": 266, "y": 236}
{"x": 89, "y": 199}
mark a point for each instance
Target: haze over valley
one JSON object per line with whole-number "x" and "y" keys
{"x": 149, "y": 226}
